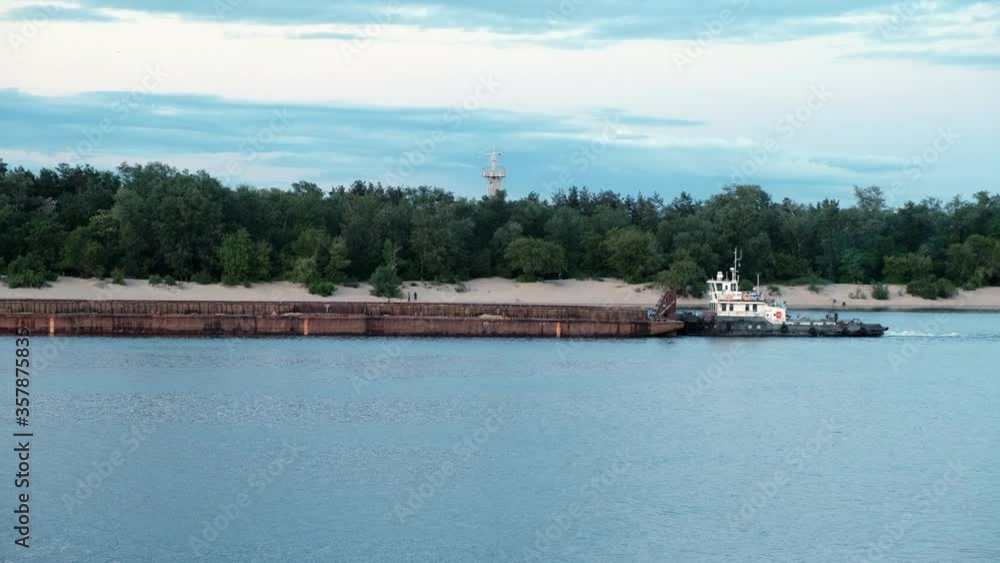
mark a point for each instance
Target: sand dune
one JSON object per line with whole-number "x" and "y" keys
{"x": 494, "y": 290}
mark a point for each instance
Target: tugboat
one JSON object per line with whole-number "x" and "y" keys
{"x": 751, "y": 313}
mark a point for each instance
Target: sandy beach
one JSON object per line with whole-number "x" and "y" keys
{"x": 606, "y": 292}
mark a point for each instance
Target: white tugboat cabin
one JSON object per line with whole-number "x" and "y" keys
{"x": 729, "y": 303}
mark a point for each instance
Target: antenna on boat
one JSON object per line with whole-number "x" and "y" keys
{"x": 734, "y": 271}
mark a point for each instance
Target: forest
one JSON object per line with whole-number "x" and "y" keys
{"x": 166, "y": 225}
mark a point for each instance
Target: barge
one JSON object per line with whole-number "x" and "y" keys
{"x": 221, "y": 318}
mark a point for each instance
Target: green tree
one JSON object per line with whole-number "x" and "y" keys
{"x": 974, "y": 263}
{"x": 906, "y": 268}
{"x": 632, "y": 254}
{"x": 535, "y": 258}
{"x": 685, "y": 276}
{"x": 385, "y": 282}
{"x": 336, "y": 267}
{"x": 237, "y": 256}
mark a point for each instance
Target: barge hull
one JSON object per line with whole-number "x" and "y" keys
{"x": 188, "y": 318}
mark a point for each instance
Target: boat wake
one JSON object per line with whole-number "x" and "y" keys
{"x": 915, "y": 334}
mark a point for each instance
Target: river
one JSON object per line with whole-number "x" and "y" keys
{"x": 684, "y": 449}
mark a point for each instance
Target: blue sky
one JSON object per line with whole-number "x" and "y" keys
{"x": 806, "y": 99}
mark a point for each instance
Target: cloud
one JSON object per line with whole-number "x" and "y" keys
{"x": 564, "y": 68}
{"x": 335, "y": 144}
{"x": 53, "y": 12}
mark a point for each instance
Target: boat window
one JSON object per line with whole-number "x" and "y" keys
{"x": 755, "y": 308}
{"x": 732, "y": 307}
{"x": 746, "y": 307}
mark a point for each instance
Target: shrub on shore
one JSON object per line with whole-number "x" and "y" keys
{"x": 28, "y": 271}
{"x": 931, "y": 287}
{"x": 385, "y": 282}
{"x": 322, "y": 288}
{"x": 880, "y": 291}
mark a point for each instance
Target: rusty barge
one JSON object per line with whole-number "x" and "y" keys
{"x": 223, "y": 318}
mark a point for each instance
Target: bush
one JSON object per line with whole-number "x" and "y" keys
{"x": 169, "y": 280}
{"x": 237, "y": 254}
{"x": 304, "y": 271}
{"x": 385, "y": 282}
{"x": 746, "y": 285}
{"x": 685, "y": 276}
{"x": 632, "y": 254}
{"x": 858, "y": 294}
{"x": 814, "y": 283}
{"x": 203, "y": 278}
{"x": 946, "y": 289}
{"x": 461, "y": 288}
{"x": 322, "y": 288}
{"x": 155, "y": 280}
{"x": 118, "y": 276}
{"x": 880, "y": 292}
{"x": 906, "y": 268}
{"x": 774, "y": 290}
{"x": 28, "y": 271}
{"x": 931, "y": 287}
{"x": 535, "y": 258}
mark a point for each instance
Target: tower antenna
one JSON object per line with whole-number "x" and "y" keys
{"x": 494, "y": 174}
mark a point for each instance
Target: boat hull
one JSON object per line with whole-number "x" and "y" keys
{"x": 695, "y": 325}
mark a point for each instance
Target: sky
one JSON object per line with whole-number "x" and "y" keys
{"x": 806, "y": 99}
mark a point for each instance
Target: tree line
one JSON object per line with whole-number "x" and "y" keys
{"x": 156, "y": 222}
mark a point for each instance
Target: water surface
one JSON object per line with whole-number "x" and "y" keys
{"x": 496, "y": 450}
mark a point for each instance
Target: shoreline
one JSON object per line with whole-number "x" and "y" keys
{"x": 601, "y": 293}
